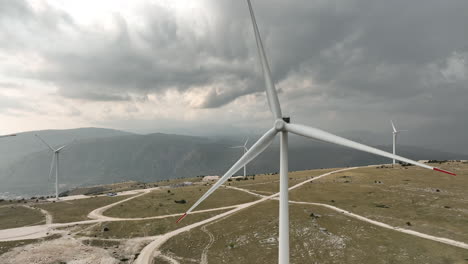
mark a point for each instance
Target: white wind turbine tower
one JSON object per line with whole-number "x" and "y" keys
{"x": 395, "y": 134}
{"x": 283, "y": 126}
{"x": 55, "y": 159}
{"x": 245, "y": 150}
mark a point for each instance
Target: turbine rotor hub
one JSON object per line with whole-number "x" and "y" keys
{"x": 279, "y": 125}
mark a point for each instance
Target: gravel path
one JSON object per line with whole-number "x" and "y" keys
{"x": 204, "y": 255}
{"x": 152, "y": 250}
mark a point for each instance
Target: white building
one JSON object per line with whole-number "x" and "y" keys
{"x": 210, "y": 178}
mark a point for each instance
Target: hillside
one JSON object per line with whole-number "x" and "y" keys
{"x": 25, "y": 143}
{"x": 371, "y": 214}
{"x": 107, "y": 156}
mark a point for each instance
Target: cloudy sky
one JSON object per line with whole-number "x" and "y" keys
{"x": 191, "y": 67}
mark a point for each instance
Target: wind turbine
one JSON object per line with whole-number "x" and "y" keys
{"x": 55, "y": 158}
{"x": 395, "y": 134}
{"x": 245, "y": 150}
{"x": 283, "y": 126}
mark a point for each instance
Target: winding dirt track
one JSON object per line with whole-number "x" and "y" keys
{"x": 399, "y": 229}
{"x": 151, "y": 250}
{"x": 40, "y": 231}
{"x": 204, "y": 255}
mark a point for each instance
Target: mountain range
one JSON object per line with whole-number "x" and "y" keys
{"x": 102, "y": 156}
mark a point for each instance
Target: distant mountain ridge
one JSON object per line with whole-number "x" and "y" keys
{"x": 26, "y": 143}
{"x": 102, "y": 156}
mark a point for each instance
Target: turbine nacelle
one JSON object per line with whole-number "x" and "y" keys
{"x": 279, "y": 125}
{"x": 395, "y": 131}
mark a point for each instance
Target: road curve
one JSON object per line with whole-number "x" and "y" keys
{"x": 447, "y": 241}
{"x": 151, "y": 250}
{"x": 443, "y": 240}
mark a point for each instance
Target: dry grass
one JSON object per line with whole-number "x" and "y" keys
{"x": 264, "y": 184}
{"x": 76, "y": 210}
{"x": 7, "y": 246}
{"x": 433, "y": 203}
{"x": 107, "y": 188}
{"x": 143, "y": 228}
{"x": 161, "y": 202}
{"x": 12, "y": 216}
{"x": 251, "y": 235}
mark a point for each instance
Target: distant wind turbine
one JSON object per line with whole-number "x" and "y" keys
{"x": 395, "y": 134}
{"x": 283, "y": 126}
{"x": 245, "y": 150}
{"x": 55, "y": 158}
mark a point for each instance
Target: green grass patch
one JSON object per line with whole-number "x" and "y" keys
{"x": 77, "y": 210}
{"x": 251, "y": 236}
{"x": 264, "y": 184}
{"x": 143, "y": 228}
{"x": 409, "y": 197}
{"x": 12, "y": 216}
{"x": 162, "y": 202}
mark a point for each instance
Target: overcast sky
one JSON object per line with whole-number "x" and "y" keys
{"x": 191, "y": 67}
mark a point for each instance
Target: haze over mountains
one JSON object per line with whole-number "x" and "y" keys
{"x": 100, "y": 156}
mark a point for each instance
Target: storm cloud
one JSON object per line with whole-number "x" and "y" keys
{"x": 346, "y": 60}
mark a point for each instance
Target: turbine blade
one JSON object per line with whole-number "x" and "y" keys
{"x": 66, "y": 145}
{"x": 45, "y": 142}
{"x": 52, "y": 166}
{"x": 272, "y": 96}
{"x": 62, "y": 147}
{"x": 393, "y": 126}
{"x": 327, "y": 137}
{"x": 254, "y": 151}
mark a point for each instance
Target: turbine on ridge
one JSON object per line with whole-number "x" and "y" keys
{"x": 395, "y": 134}
{"x": 282, "y": 126}
{"x": 245, "y": 150}
{"x": 55, "y": 159}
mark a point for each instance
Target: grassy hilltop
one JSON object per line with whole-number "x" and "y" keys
{"x": 405, "y": 197}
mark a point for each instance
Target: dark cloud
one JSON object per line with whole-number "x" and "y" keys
{"x": 349, "y": 46}
{"x": 399, "y": 58}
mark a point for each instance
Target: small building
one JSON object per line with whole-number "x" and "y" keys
{"x": 210, "y": 178}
